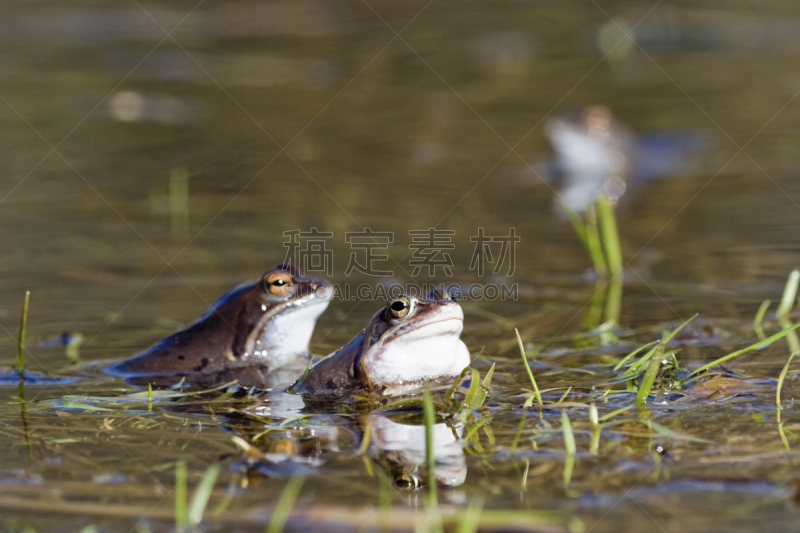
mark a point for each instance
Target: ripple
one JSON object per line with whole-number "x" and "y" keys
{"x": 9, "y": 378}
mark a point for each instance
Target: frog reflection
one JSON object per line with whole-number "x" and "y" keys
{"x": 400, "y": 449}
{"x": 397, "y": 447}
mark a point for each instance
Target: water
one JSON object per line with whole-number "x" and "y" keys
{"x": 297, "y": 115}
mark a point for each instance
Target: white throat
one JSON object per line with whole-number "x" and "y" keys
{"x": 286, "y": 335}
{"x": 428, "y": 353}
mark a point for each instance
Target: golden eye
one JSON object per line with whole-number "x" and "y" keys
{"x": 399, "y": 307}
{"x": 406, "y": 482}
{"x": 278, "y": 284}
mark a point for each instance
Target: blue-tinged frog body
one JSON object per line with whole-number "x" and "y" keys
{"x": 265, "y": 323}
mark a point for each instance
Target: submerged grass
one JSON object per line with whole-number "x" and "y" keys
{"x": 608, "y": 229}
{"x": 650, "y": 374}
{"x": 280, "y": 514}
{"x": 594, "y": 419}
{"x": 600, "y": 236}
{"x": 779, "y": 385}
{"x": 19, "y": 365}
{"x": 470, "y": 520}
{"x": 787, "y": 302}
{"x": 23, "y": 414}
{"x": 202, "y": 494}
{"x": 589, "y": 236}
{"x": 181, "y": 516}
{"x": 789, "y": 293}
{"x": 569, "y": 448}
{"x": 431, "y": 497}
{"x": 759, "y": 318}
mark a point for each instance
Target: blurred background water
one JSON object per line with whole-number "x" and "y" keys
{"x": 102, "y": 102}
{"x": 396, "y": 116}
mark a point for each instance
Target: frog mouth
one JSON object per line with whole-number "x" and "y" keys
{"x": 319, "y": 295}
{"x": 452, "y": 325}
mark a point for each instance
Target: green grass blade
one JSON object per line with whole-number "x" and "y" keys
{"x": 594, "y": 443}
{"x": 470, "y": 519}
{"x": 528, "y": 368}
{"x": 19, "y": 367}
{"x": 789, "y": 293}
{"x": 23, "y": 413}
{"x": 634, "y": 369}
{"x": 756, "y": 346}
{"x": 202, "y": 494}
{"x": 305, "y": 374}
{"x": 181, "y": 517}
{"x": 783, "y": 438}
{"x": 587, "y": 233}
{"x": 791, "y": 338}
{"x": 487, "y": 380}
{"x": 633, "y": 353}
{"x": 595, "y": 245}
{"x": 613, "y": 414}
{"x": 225, "y": 501}
{"x": 280, "y": 514}
{"x": 782, "y": 377}
{"x": 569, "y": 447}
{"x": 613, "y": 306}
{"x": 451, "y": 391}
{"x": 482, "y": 391}
{"x": 474, "y": 383}
{"x": 651, "y": 373}
{"x": 430, "y": 461}
{"x": 434, "y": 517}
{"x": 520, "y": 427}
{"x": 760, "y": 318}
{"x": 608, "y": 228}
{"x": 594, "y": 309}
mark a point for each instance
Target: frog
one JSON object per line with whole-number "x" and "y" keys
{"x": 595, "y": 153}
{"x": 408, "y": 344}
{"x": 266, "y": 323}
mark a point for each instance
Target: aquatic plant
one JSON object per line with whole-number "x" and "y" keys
{"x": 599, "y": 235}
{"x": 19, "y": 366}
{"x": 280, "y": 513}
{"x": 537, "y": 394}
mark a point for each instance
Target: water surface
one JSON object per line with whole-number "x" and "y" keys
{"x": 287, "y": 116}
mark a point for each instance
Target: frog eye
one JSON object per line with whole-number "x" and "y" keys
{"x": 398, "y": 307}
{"x": 404, "y": 481}
{"x": 278, "y": 284}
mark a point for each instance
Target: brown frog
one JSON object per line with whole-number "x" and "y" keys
{"x": 266, "y": 323}
{"x": 409, "y": 343}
